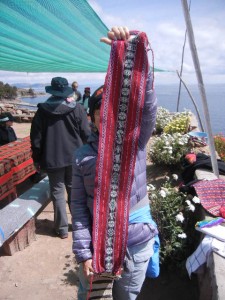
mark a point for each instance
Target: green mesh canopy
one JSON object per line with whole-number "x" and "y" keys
{"x": 51, "y": 36}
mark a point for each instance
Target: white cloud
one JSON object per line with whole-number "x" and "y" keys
{"x": 166, "y": 31}
{"x": 165, "y": 26}
{"x": 45, "y": 78}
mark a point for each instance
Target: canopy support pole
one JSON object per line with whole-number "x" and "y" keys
{"x": 182, "y": 63}
{"x": 193, "y": 101}
{"x": 201, "y": 86}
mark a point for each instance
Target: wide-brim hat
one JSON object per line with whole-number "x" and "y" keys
{"x": 59, "y": 87}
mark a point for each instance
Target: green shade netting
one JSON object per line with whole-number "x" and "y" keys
{"x": 51, "y": 36}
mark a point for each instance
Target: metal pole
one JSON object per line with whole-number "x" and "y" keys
{"x": 181, "y": 70}
{"x": 201, "y": 86}
{"x": 182, "y": 62}
{"x": 193, "y": 101}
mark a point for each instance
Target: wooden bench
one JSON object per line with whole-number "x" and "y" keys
{"x": 17, "y": 219}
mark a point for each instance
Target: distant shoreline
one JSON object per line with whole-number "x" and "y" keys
{"x": 36, "y": 95}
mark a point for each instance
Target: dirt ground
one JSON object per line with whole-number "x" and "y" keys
{"x": 46, "y": 269}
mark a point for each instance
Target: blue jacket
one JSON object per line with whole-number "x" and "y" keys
{"x": 84, "y": 179}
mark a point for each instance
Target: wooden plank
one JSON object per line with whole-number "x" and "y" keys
{"x": 21, "y": 239}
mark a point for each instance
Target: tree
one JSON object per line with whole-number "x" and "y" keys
{"x": 31, "y": 91}
{"x": 7, "y": 91}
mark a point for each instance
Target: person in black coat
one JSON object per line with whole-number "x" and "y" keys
{"x": 7, "y": 133}
{"x": 58, "y": 128}
{"x": 86, "y": 99}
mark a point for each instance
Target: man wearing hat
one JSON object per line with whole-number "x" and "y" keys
{"x": 86, "y": 98}
{"x": 59, "y": 127}
{"x": 7, "y": 133}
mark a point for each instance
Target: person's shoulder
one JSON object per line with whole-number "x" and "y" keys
{"x": 79, "y": 110}
{"x": 11, "y": 129}
{"x": 78, "y": 106}
{"x": 83, "y": 154}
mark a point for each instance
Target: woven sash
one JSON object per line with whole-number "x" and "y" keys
{"x": 121, "y": 112}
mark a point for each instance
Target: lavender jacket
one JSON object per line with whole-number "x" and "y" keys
{"x": 84, "y": 178}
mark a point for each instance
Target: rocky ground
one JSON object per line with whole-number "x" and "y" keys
{"x": 22, "y": 115}
{"x": 46, "y": 269}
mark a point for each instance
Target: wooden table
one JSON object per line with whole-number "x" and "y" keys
{"x": 16, "y": 165}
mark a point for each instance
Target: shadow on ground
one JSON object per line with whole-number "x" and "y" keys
{"x": 45, "y": 227}
{"x": 170, "y": 285}
{"x": 71, "y": 273}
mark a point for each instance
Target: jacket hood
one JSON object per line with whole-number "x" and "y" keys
{"x": 57, "y": 106}
{"x": 93, "y": 140}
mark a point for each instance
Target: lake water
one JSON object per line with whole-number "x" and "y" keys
{"x": 167, "y": 97}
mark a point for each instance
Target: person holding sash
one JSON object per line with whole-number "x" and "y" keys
{"x": 113, "y": 232}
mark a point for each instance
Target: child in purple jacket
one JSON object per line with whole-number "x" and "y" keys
{"x": 140, "y": 234}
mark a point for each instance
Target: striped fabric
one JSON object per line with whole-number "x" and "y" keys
{"x": 211, "y": 194}
{"x": 101, "y": 289}
{"x": 16, "y": 165}
{"x": 121, "y": 112}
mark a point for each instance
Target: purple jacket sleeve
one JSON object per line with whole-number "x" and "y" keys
{"x": 81, "y": 217}
{"x": 148, "y": 114}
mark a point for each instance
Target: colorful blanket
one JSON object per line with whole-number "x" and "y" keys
{"x": 16, "y": 165}
{"x": 121, "y": 112}
{"x": 211, "y": 194}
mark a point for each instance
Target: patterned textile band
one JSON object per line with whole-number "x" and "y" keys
{"x": 121, "y": 112}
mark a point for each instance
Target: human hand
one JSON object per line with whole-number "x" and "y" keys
{"x": 116, "y": 33}
{"x": 87, "y": 268}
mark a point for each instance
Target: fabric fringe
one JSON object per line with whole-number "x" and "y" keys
{"x": 100, "y": 289}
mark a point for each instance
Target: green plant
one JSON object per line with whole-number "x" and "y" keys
{"x": 171, "y": 122}
{"x": 173, "y": 213}
{"x": 219, "y": 141}
{"x": 163, "y": 117}
{"x": 180, "y": 123}
{"x": 167, "y": 149}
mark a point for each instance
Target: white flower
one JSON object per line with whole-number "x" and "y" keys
{"x": 175, "y": 176}
{"x": 162, "y": 193}
{"x": 188, "y": 202}
{"x": 153, "y": 196}
{"x": 150, "y": 187}
{"x": 196, "y": 200}
{"x": 191, "y": 207}
{"x": 182, "y": 235}
{"x": 180, "y": 217}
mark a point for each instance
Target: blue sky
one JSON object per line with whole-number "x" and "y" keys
{"x": 164, "y": 23}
